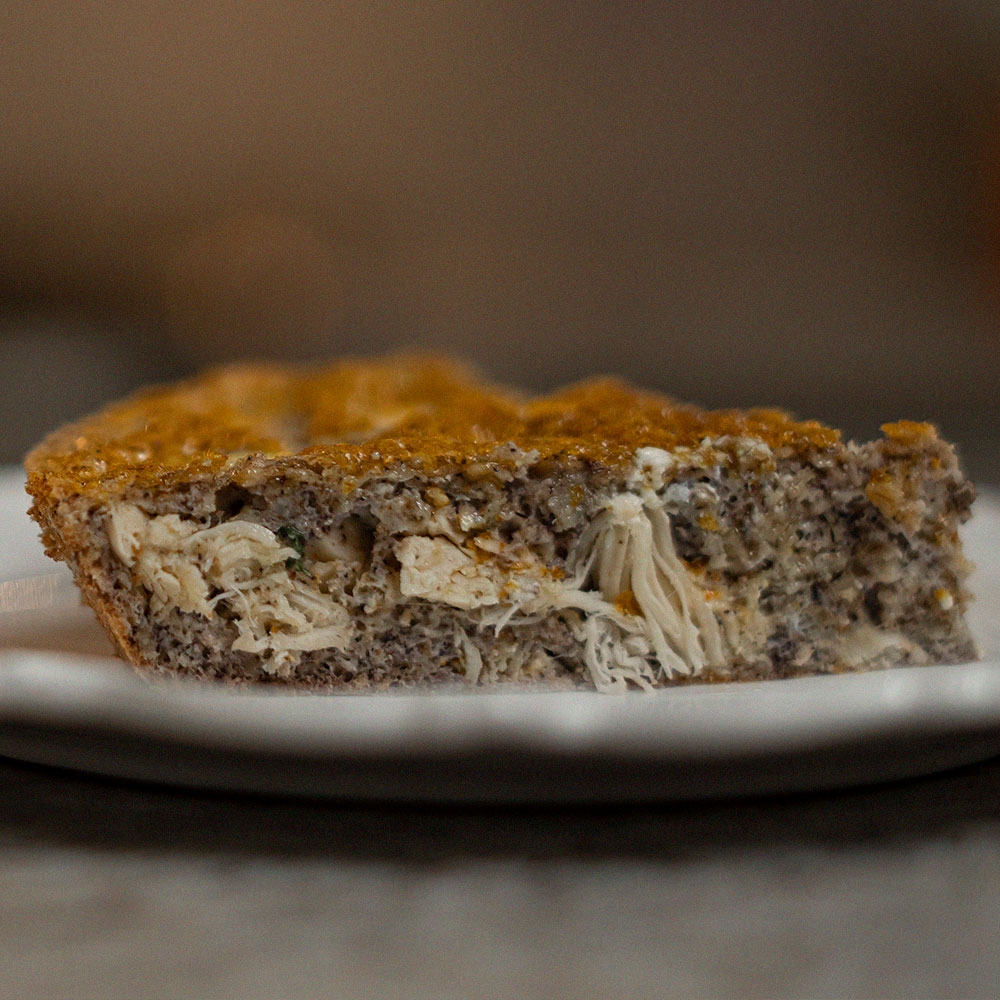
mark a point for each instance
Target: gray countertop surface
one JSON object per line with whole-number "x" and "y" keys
{"x": 115, "y": 889}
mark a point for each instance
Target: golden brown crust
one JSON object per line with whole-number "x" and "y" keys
{"x": 362, "y": 417}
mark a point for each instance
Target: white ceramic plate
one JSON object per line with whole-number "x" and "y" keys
{"x": 62, "y": 703}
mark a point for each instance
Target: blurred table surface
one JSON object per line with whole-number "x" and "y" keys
{"x": 116, "y": 889}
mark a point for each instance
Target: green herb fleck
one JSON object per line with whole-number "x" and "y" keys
{"x": 295, "y": 540}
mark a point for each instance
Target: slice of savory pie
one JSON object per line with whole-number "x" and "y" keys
{"x": 396, "y": 522}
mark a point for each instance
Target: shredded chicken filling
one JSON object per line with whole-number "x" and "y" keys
{"x": 237, "y": 566}
{"x": 624, "y": 593}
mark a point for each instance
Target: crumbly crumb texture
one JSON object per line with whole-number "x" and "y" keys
{"x": 395, "y": 523}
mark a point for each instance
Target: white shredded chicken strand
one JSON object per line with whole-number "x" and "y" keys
{"x": 629, "y": 547}
{"x": 243, "y": 566}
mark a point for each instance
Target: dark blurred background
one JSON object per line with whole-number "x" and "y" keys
{"x": 794, "y": 204}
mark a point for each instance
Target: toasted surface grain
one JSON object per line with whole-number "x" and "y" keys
{"x": 364, "y": 416}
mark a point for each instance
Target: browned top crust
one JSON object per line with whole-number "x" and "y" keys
{"x": 363, "y": 417}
